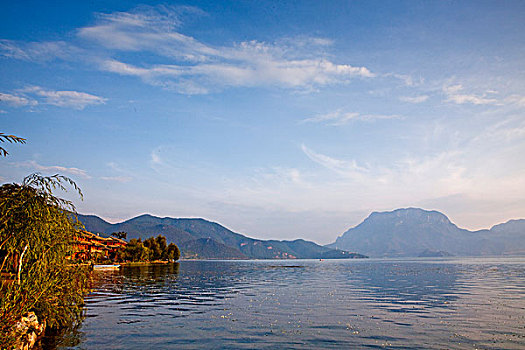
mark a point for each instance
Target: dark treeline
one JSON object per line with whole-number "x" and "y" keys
{"x": 152, "y": 249}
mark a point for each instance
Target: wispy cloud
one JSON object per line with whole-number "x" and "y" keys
{"x": 35, "y": 95}
{"x": 17, "y": 100}
{"x": 121, "y": 179}
{"x": 155, "y": 158}
{"x": 282, "y": 176}
{"x": 341, "y": 167}
{"x": 507, "y": 130}
{"x": 515, "y": 100}
{"x": 454, "y": 94}
{"x": 147, "y": 28}
{"x": 123, "y": 175}
{"x": 250, "y": 64}
{"x": 55, "y": 168}
{"x": 73, "y": 99}
{"x": 39, "y": 51}
{"x": 407, "y": 80}
{"x": 189, "y": 66}
{"x": 115, "y": 167}
{"x": 414, "y": 99}
{"x": 340, "y": 117}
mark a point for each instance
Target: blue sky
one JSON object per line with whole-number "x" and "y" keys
{"x": 277, "y": 119}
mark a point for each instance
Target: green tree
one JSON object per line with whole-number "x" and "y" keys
{"x": 120, "y": 235}
{"x": 135, "y": 250}
{"x": 153, "y": 248}
{"x": 163, "y": 247}
{"x": 173, "y": 252}
{"x": 37, "y": 235}
{"x": 157, "y": 247}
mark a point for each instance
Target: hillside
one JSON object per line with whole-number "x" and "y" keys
{"x": 412, "y": 232}
{"x": 199, "y": 238}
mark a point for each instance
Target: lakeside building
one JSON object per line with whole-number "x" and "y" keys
{"x": 90, "y": 245}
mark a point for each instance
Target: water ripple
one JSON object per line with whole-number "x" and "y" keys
{"x": 396, "y": 304}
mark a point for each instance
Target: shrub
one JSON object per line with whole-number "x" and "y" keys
{"x": 36, "y": 236}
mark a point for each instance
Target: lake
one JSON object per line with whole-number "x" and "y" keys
{"x": 308, "y": 304}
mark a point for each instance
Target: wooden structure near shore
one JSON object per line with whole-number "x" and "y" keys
{"x": 90, "y": 245}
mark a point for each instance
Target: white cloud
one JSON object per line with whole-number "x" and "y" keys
{"x": 252, "y": 71}
{"x": 414, "y": 99}
{"x": 187, "y": 65}
{"x": 35, "y": 95}
{"x": 407, "y": 80}
{"x": 155, "y": 158}
{"x": 507, "y": 130}
{"x": 282, "y": 175}
{"x": 516, "y": 100}
{"x": 341, "y": 167}
{"x": 147, "y": 29}
{"x": 121, "y": 179}
{"x": 196, "y": 67}
{"x": 55, "y": 168}
{"x": 16, "y": 100}
{"x": 115, "y": 167}
{"x": 454, "y": 95}
{"x": 344, "y": 185}
{"x": 340, "y": 117}
{"x": 39, "y": 51}
{"x": 73, "y": 99}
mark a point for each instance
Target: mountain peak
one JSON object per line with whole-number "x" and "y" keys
{"x": 409, "y": 231}
{"x": 408, "y": 215}
{"x": 515, "y": 225}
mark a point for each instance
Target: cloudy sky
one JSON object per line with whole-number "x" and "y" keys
{"x": 276, "y": 119}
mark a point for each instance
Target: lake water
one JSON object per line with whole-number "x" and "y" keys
{"x": 308, "y": 304}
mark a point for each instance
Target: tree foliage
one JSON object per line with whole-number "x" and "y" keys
{"x": 36, "y": 238}
{"x": 153, "y": 248}
{"x": 10, "y": 139}
{"x": 120, "y": 234}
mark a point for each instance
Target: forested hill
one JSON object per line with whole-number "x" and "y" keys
{"x": 199, "y": 238}
{"x": 413, "y": 232}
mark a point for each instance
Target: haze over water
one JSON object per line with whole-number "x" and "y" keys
{"x": 394, "y": 304}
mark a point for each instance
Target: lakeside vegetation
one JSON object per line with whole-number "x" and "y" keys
{"x": 36, "y": 239}
{"x": 152, "y": 249}
{"x": 39, "y": 236}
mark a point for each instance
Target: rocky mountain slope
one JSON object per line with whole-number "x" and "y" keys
{"x": 413, "y": 231}
{"x": 199, "y": 238}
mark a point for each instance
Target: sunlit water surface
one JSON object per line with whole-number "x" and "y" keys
{"x": 301, "y": 304}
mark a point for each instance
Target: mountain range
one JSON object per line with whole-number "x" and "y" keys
{"x": 408, "y": 232}
{"x": 413, "y": 232}
{"x": 199, "y": 238}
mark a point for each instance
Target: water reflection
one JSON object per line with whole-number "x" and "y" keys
{"x": 308, "y": 304}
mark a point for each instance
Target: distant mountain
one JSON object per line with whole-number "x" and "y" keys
{"x": 207, "y": 248}
{"x": 95, "y": 224}
{"x": 199, "y": 238}
{"x": 427, "y": 253}
{"x": 412, "y": 231}
{"x": 510, "y": 236}
{"x": 509, "y": 227}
